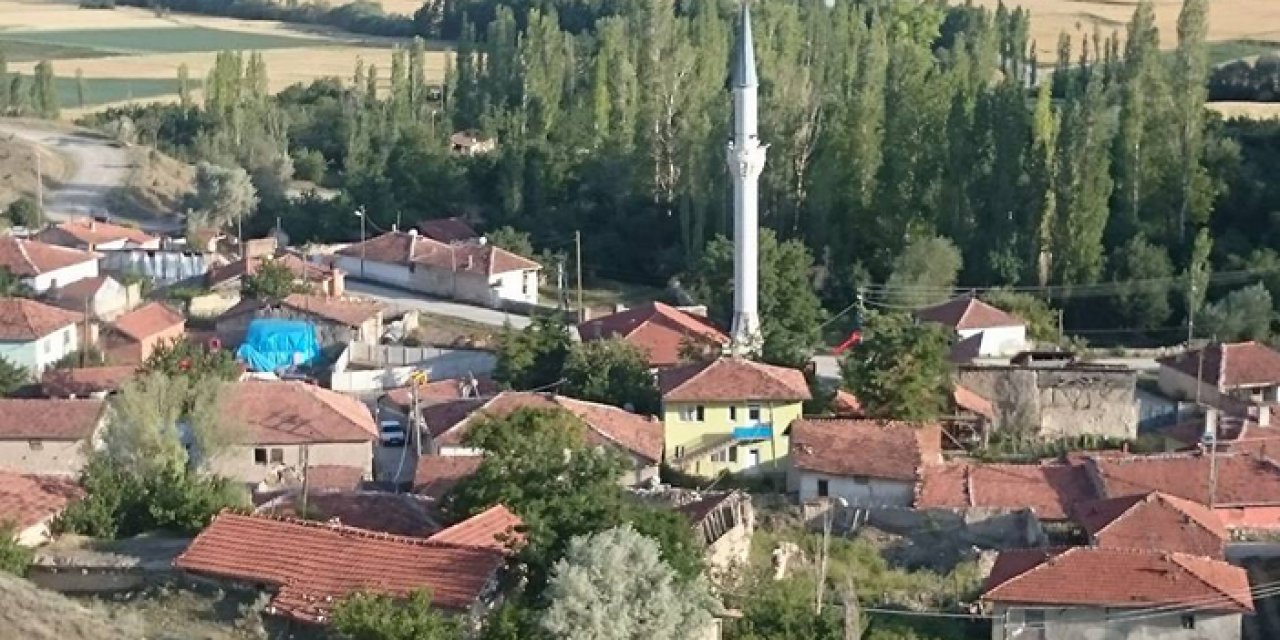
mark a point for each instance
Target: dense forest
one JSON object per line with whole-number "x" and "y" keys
{"x": 913, "y": 147}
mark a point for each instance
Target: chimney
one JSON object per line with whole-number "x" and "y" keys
{"x": 93, "y": 224}
{"x": 394, "y": 227}
{"x": 338, "y": 283}
{"x": 1210, "y": 426}
{"x": 1264, "y": 415}
{"x": 471, "y": 262}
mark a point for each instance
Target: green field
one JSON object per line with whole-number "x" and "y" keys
{"x": 1220, "y": 52}
{"x": 141, "y": 41}
{"x": 32, "y": 52}
{"x": 103, "y": 90}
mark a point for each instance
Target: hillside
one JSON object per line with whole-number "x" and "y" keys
{"x": 31, "y": 613}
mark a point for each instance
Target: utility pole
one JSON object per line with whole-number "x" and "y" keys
{"x": 39, "y": 187}
{"x": 306, "y": 463}
{"x": 361, "y": 214}
{"x": 852, "y": 614}
{"x": 1191, "y": 315}
{"x": 577, "y": 244}
{"x": 822, "y": 559}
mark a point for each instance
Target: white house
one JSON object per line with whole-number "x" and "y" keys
{"x": 472, "y": 271}
{"x": 1002, "y": 334}
{"x": 45, "y": 266}
{"x": 865, "y": 462}
{"x": 34, "y": 335}
{"x": 92, "y": 234}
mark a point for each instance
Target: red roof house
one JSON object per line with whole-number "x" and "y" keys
{"x": 732, "y": 379}
{"x": 1001, "y": 333}
{"x": 1048, "y": 490}
{"x": 1155, "y": 521}
{"x": 91, "y": 234}
{"x": 437, "y": 475}
{"x": 31, "y": 502}
{"x": 495, "y": 528}
{"x": 863, "y": 461}
{"x": 658, "y": 329}
{"x": 311, "y": 566}
{"x": 136, "y": 334}
{"x": 1241, "y": 371}
{"x": 47, "y": 436}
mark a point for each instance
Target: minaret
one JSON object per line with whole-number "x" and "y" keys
{"x": 746, "y": 160}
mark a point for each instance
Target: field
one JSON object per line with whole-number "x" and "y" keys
{"x": 1250, "y": 110}
{"x": 132, "y": 55}
{"x": 1251, "y": 21}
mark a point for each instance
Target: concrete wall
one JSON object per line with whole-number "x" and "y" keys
{"x": 1109, "y": 624}
{"x": 980, "y": 527}
{"x": 684, "y": 436}
{"x": 63, "y": 277}
{"x": 439, "y": 363}
{"x": 1058, "y": 402}
{"x": 238, "y": 461}
{"x": 376, "y": 271}
{"x": 999, "y": 341}
{"x": 163, "y": 266}
{"x": 371, "y": 380}
{"x": 1178, "y": 385}
{"x": 858, "y": 491}
{"x": 56, "y": 457}
{"x": 520, "y": 286}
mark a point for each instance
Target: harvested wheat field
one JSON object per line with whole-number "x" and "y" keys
{"x": 402, "y": 7}
{"x": 1248, "y": 110}
{"x": 18, "y": 170}
{"x": 1229, "y": 20}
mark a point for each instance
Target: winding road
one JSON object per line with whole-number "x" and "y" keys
{"x": 99, "y": 166}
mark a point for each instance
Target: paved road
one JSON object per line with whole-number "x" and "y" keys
{"x": 405, "y": 300}
{"x": 99, "y": 167}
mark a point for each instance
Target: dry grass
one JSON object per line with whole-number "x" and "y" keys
{"x": 402, "y": 7}
{"x": 31, "y": 613}
{"x": 17, "y": 169}
{"x": 1250, "y": 110}
{"x": 157, "y": 185}
{"x": 1257, "y": 20}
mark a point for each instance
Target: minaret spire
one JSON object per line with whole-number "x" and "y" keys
{"x": 746, "y": 158}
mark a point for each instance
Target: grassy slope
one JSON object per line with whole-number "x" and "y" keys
{"x": 158, "y": 40}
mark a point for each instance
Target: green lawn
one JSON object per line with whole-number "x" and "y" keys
{"x": 157, "y": 40}
{"x": 1220, "y": 52}
{"x": 104, "y": 90}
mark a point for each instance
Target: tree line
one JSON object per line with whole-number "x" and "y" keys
{"x": 893, "y": 127}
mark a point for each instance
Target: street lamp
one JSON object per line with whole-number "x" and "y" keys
{"x": 360, "y": 214}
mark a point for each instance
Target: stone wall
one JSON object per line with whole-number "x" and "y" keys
{"x": 1058, "y": 402}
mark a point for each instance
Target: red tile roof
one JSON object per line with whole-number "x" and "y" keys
{"x": 1048, "y": 490}
{"x": 80, "y": 291}
{"x": 495, "y": 528}
{"x": 436, "y": 391}
{"x": 334, "y": 477}
{"x": 967, "y": 312}
{"x": 401, "y": 514}
{"x": 149, "y": 320}
{"x": 294, "y": 412}
{"x": 732, "y": 379}
{"x": 27, "y": 258}
{"x": 1117, "y": 578}
{"x": 447, "y": 229}
{"x": 1242, "y": 479}
{"x": 91, "y": 232}
{"x": 888, "y": 450}
{"x": 1153, "y": 521}
{"x": 968, "y": 400}
{"x": 49, "y": 418}
{"x": 846, "y": 405}
{"x": 402, "y": 248}
{"x": 28, "y": 500}
{"x": 314, "y": 565}
{"x": 1226, "y": 366}
{"x": 25, "y": 320}
{"x": 437, "y": 475}
{"x": 84, "y": 381}
{"x": 657, "y": 328}
{"x": 640, "y": 435}
{"x": 300, "y": 268}
{"x": 351, "y": 312}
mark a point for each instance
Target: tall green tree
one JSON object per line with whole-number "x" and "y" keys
{"x": 1193, "y": 188}
{"x": 1243, "y": 314}
{"x": 899, "y": 370}
{"x": 1084, "y": 186}
{"x": 925, "y": 272}
{"x": 44, "y": 95}
{"x": 533, "y": 357}
{"x": 12, "y": 376}
{"x": 613, "y": 372}
{"x": 1143, "y": 274}
{"x": 368, "y": 616}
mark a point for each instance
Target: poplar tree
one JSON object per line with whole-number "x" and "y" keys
{"x": 1192, "y": 189}
{"x": 44, "y": 95}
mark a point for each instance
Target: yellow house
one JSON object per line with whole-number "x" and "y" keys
{"x": 729, "y": 415}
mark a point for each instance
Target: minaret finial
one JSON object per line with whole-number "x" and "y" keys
{"x": 744, "y": 55}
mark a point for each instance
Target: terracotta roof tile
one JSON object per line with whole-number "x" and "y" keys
{"x": 28, "y": 500}
{"x": 877, "y": 449}
{"x": 437, "y": 475}
{"x": 25, "y": 320}
{"x": 437, "y": 391}
{"x": 640, "y": 435}
{"x": 352, "y": 312}
{"x": 1048, "y": 490}
{"x": 149, "y": 320}
{"x": 1242, "y": 479}
{"x": 495, "y": 528}
{"x": 313, "y": 565}
{"x": 657, "y": 328}
{"x": 294, "y": 412}
{"x": 84, "y": 381}
{"x": 967, "y": 399}
{"x": 401, "y": 514}
{"x": 402, "y": 248}
{"x": 846, "y": 405}
{"x": 1227, "y": 366}
{"x": 49, "y": 418}
{"x": 1153, "y": 521}
{"x": 1117, "y": 578}
{"x": 967, "y": 312}
{"x": 732, "y": 379}
{"x": 27, "y": 258}
{"x": 79, "y": 291}
{"x": 91, "y": 232}
{"x": 299, "y": 267}
{"x": 334, "y": 477}
{"x": 447, "y": 229}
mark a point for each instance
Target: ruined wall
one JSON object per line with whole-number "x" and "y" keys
{"x": 1058, "y": 402}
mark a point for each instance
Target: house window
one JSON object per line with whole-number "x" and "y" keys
{"x": 753, "y": 412}
{"x": 679, "y": 451}
{"x": 277, "y": 456}
{"x": 693, "y": 414}
{"x": 733, "y": 454}
{"x": 1033, "y": 625}
{"x": 701, "y": 413}
{"x": 48, "y": 346}
{"x": 861, "y": 480}
{"x": 35, "y": 445}
{"x": 1189, "y": 621}
{"x": 733, "y": 414}
{"x": 720, "y": 456}
{"x": 524, "y": 284}
{"x": 66, "y": 339}
{"x": 259, "y": 456}
{"x": 824, "y": 489}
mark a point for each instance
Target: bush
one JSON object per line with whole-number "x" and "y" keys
{"x": 14, "y": 558}
{"x": 309, "y": 164}
{"x": 23, "y": 212}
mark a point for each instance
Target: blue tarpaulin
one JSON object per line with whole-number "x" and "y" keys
{"x": 271, "y": 345}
